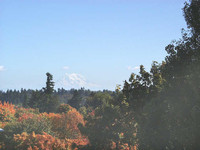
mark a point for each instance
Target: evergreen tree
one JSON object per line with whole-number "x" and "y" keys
{"x": 49, "y": 84}
{"x": 45, "y": 99}
{"x": 50, "y": 100}
{"x": 171, "y": 120}
{"x": 76, "y": 99}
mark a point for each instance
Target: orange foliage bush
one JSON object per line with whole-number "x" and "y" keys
{"x": 25, "y": 117}
{"x": 64, "y": 127}
{"x": 7, "y": 112}
{"x": 20, "y": 111}
{"x": 28, "y": 113}
{"x": 45, "y": 142}
{"x": 50, "y": 115}
{"x": 66, "y": 124}
{"x": 36, "y": 141}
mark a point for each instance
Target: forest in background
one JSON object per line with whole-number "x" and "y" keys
{"x": 153, "y": 110}
{"x": 77, "y": 96}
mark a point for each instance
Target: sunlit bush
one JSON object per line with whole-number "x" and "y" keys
{"x": 39, "y": 142}
{"x": 26, "y": 128}
{"x": 45, "y": 142}
{"x": 66, "y": 124}
{"x": 7, "y": 112}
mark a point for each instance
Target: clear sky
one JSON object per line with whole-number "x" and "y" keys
{"x": 94, "y": 44}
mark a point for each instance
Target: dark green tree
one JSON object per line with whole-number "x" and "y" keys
{"x": 109, "y": 122}
{"x": 49, "y": 89}
{"x": 50, "y": 101}
{"x": 75, "y": 101}
{"x": 45, "y": 99}
{"x": 192, "y": 15}
{"x": 171, "y": 119}
{"x": 35, "y": 99}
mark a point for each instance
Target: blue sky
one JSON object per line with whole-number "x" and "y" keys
{"x": 94, "y": 44}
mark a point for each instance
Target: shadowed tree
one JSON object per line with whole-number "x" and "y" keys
{"x": 171, "y": 120}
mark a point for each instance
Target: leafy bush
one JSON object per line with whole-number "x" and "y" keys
{"x": 7, "y": 112}
{"x": 26, "y": 123}
{"x": 29, "y": 129}
{"x": 39, "y": 141}
{"x": 21, "y": 111}
{"x": 45, "y": 141}
{"x": 65, "y": 125}
{"x": 64, "y": 108}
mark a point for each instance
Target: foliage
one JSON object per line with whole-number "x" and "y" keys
{"x": 76, "y": 99}
{"x": 45, "y": 141}
{"x": 49, "y": 84}
{"x": 97, "y": 99}
{"x": 39, "y": 141}
{"x": 192, "y": 15}
{"x": 64, "y": 108}
{"x": 108, "y": 120}
{"x": 19, "y": 111}
{"x": 7, "y": 112}
{"x": 45, "y": 99}
{"x": 65, "y": 124}
{"x": 29, "y": 129}
{"x": 170, "y": 121}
